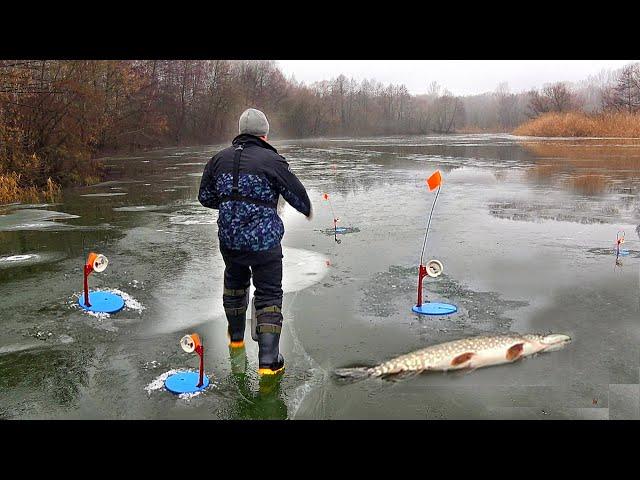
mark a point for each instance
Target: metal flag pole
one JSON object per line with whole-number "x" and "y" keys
{"x": 433, "y": 268}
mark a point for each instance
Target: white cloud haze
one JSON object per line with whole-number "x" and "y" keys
{"x": 461, "y": 77}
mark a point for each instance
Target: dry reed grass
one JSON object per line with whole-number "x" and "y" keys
{"x": 577, "y": 124}
{"x": 13, "y": 190}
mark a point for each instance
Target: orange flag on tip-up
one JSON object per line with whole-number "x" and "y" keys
{"x": 434, "y": 181}
{"x": 325, "y": 196}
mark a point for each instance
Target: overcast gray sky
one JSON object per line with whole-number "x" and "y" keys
{"x": 461, "y": 77}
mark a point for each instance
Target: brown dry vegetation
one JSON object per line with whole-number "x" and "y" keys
{"x": 14, "y": 189}
{"x": 55, "y": 115}
{"x": 578, "y": 124}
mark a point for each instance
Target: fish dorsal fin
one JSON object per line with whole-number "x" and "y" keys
{"x": 515, "y": 352}
{"x": 462, "y": 358}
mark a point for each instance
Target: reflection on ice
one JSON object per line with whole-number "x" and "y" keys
{"x": 33, "y": 345}
{"x": 27, "y": 259}
{"x": 193, "y": 220}
{"x": 111, "y": 194}
{"x": 34, "y": 219}
{"x": 564, "y": 209}
{"x": 18, "y": 258}
{"x": 196, "y": 296}
{"x": 139, "y": 208}
{"x": 194, "y": 215}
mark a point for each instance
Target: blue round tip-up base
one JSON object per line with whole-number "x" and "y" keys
{"x": 102, "y": 302}
{"x": 435, "y": 308}
{"x": 185, "y": 382}
{"x": 624, "y": 253}
{"x": 340, "y": 229}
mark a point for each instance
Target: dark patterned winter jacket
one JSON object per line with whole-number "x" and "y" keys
{"x": 248, "y": 218}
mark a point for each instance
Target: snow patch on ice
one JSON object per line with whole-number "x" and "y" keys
{"x": 130, "y": 303}
{"x": 18, "y": 258}
{"x": 158, "y": 384}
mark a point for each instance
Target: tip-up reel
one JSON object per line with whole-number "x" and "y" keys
{"x": 97, "y": 262}
{"x": 190, "y": 343}
{"x": 434, "y": 268}
{"x": 336, "y": 219}
{"x": 619, "y": 242}
{"x": 98, "y": 301}
{"x": 189, "y": 382}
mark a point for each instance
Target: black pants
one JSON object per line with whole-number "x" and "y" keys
{"x": 266, "y": 269}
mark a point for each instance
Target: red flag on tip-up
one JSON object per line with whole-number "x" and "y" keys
{"x": 325, "y": 196}
{"x": 435, "y": 180}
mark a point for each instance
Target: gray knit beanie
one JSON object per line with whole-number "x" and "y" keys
{"x": 253, "y": 122}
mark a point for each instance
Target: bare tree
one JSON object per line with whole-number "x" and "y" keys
{"x": 507, "y": 106}
{"x": 625, "y": 94}
{"x": 556, "y": 97}
{"x": 560, "y": 97}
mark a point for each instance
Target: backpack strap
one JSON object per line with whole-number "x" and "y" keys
{"x": 236, "y": 170}
{"x": 235, "y": 191}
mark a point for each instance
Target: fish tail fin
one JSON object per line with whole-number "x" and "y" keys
{"x": 352, "y": 375}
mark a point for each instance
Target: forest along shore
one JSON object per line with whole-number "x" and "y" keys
{"x": 57, "y": 116}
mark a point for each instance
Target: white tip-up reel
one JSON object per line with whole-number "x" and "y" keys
{"x": 102, "y": 302}
{"x": 188, "y": 381}
{"x": 100, "y": 263}
{"x": 188, "y": 344}
{"x": 434, "y": 268}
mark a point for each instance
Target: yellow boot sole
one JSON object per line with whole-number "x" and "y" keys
{"x": 268, "y": 371}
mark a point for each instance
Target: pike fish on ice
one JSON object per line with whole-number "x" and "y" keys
{"x": 467, "y": 353}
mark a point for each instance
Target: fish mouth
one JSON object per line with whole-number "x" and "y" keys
{"x": 555, "y": 341}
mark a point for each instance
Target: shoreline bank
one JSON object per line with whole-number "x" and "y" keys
{"x": 18, "y": 188}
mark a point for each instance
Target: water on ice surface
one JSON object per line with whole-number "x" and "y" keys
{"x": 34, "y": 219}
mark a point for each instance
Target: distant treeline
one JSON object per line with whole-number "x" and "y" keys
{"x": 55, "y": 115}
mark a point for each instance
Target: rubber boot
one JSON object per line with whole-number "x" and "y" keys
{"x": 235, "y": 330}
{"x": 236, "y": 312}
{"x": 270, "y": 361}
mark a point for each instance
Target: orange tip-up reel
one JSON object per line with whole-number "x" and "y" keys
{"x": 95, "y": 263}
{"x": 192, "y": 343}
{"x": 98, "y": 301}
{"x": 186, "y": 381}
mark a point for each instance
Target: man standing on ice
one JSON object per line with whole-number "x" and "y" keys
{"x": 244, "y": 182}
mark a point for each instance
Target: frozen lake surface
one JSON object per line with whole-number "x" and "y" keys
{"x": 525, "y": 229}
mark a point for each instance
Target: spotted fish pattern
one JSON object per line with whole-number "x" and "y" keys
{"x": 468, "y": 353}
